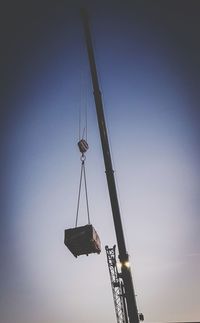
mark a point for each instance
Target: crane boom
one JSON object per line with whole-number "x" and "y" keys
{"x": 123, "y": 255}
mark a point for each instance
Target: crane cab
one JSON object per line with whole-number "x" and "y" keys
{"x": 82, "y": 240}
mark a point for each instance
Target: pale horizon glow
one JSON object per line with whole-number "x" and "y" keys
{"x": 153, "y": 137}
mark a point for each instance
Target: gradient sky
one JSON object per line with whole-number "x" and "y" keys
{"x": 148, "y": 59}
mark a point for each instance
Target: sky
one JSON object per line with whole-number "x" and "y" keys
{"x": 147, "y": 55}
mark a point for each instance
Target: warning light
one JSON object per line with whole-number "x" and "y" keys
{"x": 127, "y": 264}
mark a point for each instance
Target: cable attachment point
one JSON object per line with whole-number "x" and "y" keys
{"x": 83, "y": 158}
{"x": 83, "y": 146}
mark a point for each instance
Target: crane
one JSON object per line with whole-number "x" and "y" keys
{"x": 124, "y": 295}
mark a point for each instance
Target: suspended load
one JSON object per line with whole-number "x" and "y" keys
{"x": 82, "y": 240}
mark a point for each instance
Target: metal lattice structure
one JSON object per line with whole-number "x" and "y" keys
{"x": 117, "y": 286}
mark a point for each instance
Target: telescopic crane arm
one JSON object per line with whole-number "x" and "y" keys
{"x": 123, "y": 255}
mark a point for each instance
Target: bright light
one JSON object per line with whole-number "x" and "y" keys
{"x": 127, "y": 264}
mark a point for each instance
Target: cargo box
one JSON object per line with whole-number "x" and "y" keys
{"x": 82, "y": 240}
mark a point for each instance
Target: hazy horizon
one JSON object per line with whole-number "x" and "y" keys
{"x": 147, "y": 56}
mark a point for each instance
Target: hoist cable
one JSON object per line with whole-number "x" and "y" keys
{"x": 86, "y": 106}
{"x": 83, "y": 175}
{"x": 86, "y": 194}
{"x": 79, "y": 123}
{"x": 85, "y": 103}
{"x": 86, "y": 123}
{"x": 79, "y": 194}
{"x": 84, "y": 131}
{"x": 83, "y": 124}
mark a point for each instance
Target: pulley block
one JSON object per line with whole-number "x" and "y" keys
{"x": 83, "y": 146}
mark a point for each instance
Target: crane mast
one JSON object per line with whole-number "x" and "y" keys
{"x": 126, "y": 277}
{"x": 117, "y": 286}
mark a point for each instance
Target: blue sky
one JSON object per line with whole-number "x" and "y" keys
{"x": 148, "y": 62}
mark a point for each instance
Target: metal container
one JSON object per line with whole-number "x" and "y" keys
{"x": 82, "y": 240}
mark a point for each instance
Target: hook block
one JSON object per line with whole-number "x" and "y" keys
{"x": 83, "y": 146}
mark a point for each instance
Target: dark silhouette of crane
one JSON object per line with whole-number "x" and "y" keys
{"x": 122, "y": 284}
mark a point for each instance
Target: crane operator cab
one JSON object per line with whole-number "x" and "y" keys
{"x": 82, "y": 240}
